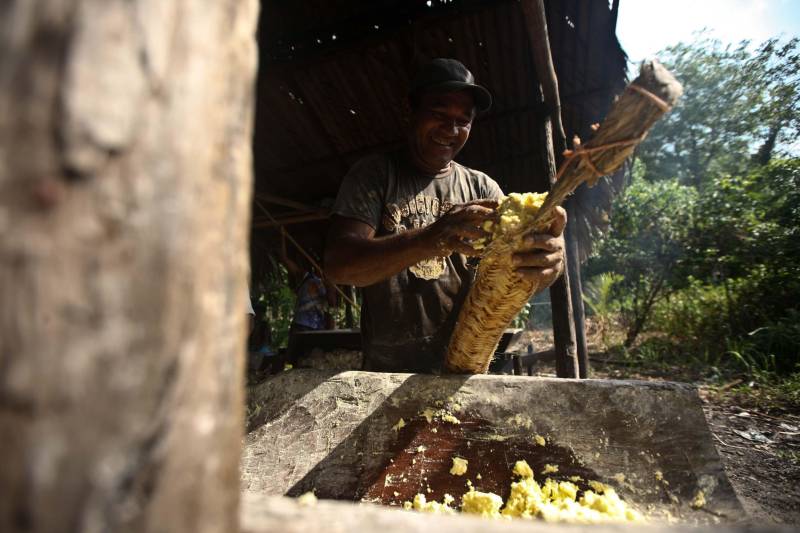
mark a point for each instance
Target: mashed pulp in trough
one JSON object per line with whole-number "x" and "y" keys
{"x": 552, "y": 500}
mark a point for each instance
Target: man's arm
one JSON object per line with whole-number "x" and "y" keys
{"x": 355, "y": 256}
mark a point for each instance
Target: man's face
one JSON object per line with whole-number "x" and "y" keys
{"x": 439, "y": 128}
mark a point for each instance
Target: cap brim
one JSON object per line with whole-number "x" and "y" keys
{"x": 483, "y": 98}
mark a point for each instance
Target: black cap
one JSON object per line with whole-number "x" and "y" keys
{"x": 445, "y": 75}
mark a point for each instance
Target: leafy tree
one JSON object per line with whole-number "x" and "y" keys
{"x": 705, "y": 243}
{"x": 750, "y": 229}
{"x": 646, "y": 245}
{"x": 718, "y": 269}
{"x": 749, "y": 220}
{"x": 738, "y": 100}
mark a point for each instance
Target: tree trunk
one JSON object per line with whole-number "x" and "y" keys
{"x": 764, "y": 154}
{"x": 125, "y": 186}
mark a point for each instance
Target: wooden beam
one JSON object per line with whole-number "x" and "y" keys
{"x": 285, "y": 202}
{"x": 553, "y": 145}
{"x": 291, "y": 219}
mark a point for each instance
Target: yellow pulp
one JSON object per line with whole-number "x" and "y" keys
{"x": 699, "y": 500}
{"x": 515, "y": 211}
{"x": 552, "y": 501}
{"x": 459, "y": 466}
{"x": 486, "y": 504}
{"x": 421, "y": 504}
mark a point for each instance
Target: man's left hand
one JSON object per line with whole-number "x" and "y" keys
{"x": 541, "y": 256}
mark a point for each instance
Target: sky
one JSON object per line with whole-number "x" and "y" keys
{"x": 646, "y": 26}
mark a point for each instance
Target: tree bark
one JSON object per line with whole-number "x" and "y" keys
{"x": 125, "y": 184}
{"x": 764, "y": 154}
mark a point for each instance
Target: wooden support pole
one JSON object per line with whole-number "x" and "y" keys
{"x": 576, "y": 292}
{"x": 263, "y": 223}
{"x": 285, "y": 202}
{"x": 553, "y": 146}
{"x": 349, "y": 320}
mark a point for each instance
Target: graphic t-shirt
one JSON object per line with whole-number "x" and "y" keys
{"x": 407, "y": 319}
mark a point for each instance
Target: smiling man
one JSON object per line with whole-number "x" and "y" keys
{"x": 403, "y": 222}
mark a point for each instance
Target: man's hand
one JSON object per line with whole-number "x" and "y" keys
{"x": 461, "y": 224}
{"x": 541, "y": 257}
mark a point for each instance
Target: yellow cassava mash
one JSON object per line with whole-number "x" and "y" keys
{"x": 550, "y": 469}
{"x": 422, "y": 505}
{"x": 553, "y": 501}
{"x": 486, "y": 504}
{"x": 459, "y": 466}
{"x": 515, "y": 210}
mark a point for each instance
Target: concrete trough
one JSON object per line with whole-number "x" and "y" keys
{"x": 340, "y": 435}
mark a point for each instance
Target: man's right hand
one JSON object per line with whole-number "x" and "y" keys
{"x": 463, "y": 223}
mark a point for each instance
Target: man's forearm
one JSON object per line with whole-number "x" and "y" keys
{"x": 362, "y": 262}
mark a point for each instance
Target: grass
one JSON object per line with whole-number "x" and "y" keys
{"x": 746, "y": 378}
{"x": 768, "y": 393}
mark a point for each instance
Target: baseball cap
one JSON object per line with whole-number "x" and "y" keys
{"x": 445, "y": 75}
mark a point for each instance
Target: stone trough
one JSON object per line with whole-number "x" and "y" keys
{"x": 341, "y": 435}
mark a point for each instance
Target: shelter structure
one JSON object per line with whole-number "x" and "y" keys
{"x": 332, "y": 85}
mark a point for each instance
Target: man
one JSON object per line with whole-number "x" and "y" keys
{"x": 403, "y": 223}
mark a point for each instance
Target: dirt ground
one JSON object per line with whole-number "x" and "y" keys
{"x": 759, "y": 448}
{"x": 760, "y": 451}
{"x": 761, "y": 455}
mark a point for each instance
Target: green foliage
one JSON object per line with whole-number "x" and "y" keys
{"x": 600, "y": 303}
{"x": 521, "y": 320}
{"x": 736, "y": 100}
{"x": 748, "y": 221}
{"x": 279, "y": 298}
{"x": 766, "y": 392}
{"x": 707, "y": 237}
{"x": 730, "y": 278}
{"x": 340, "y": 312}
{"x": 646, "y": 247}
{"x": 728, "y": 325}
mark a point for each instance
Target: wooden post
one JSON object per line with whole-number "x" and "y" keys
{"x": 553, "y": 146}
{"x": 348, "y": 307}
{"x": 125, "y": 187}
{"x": 576, "y": 292}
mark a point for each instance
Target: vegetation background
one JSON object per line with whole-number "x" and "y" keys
{"x": 700, "y": 267}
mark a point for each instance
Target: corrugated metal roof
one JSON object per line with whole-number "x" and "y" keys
{"x": 325, "y": 102}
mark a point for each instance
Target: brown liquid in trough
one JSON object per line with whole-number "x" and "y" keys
{"x": 411, "y": 472}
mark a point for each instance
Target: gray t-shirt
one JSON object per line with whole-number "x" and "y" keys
{"x": 407, "y": 319}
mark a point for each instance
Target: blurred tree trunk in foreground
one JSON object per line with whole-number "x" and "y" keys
{"x": 125, "y": 188}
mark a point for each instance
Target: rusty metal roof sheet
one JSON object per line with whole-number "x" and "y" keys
{"x": 333, "y": 78}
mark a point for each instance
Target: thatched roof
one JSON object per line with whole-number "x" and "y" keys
{"x": 333, "y": 77}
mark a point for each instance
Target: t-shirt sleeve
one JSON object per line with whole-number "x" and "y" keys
{"x": 489, "y": 188}
{"x": 362, "y": 191}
